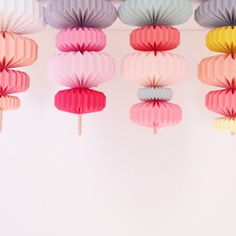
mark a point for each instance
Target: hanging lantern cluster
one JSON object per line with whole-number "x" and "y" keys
{"x": 80, "y": 65}
{"x": 17, "y": 18}
{"x": 220, "y": 70}
{"x": 154, "y": 67}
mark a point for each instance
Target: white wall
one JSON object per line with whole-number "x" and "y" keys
{"x": 117, "y": 179}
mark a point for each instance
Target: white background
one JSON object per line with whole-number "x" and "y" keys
{"x": 117, "y": 179}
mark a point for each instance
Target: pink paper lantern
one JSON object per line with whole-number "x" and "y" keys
{"x": 84, "y": 70}
{"x": 81, "y": 39}
{"x": 12, "y": 81}
{"x": 154, "y": 69}
{"x": 156, "y": 114}
{"x": 222, "y": 102}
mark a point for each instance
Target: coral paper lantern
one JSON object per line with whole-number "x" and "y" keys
{"x": 220, "y": 70}
{"x": 155, "y": 38}
{"x": 153, "y": 67}
{"x": 81, "y": 66}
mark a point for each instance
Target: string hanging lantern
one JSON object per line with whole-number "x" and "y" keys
{"x": 80, "y": 65}
{"x": 154, "y": 67}
{"x": 17, "y": 18}
{"x": 220, "y": 70}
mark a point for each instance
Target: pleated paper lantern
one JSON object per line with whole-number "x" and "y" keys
{"x": 153, "y": 67}
{"x": 81, "y": 66}
{"x": 81, "y": 39}
{"x": 216, "y": 13}
{"x": 222, "y": 39}
{"x": 63, "y": 14}
{"x": 156, "y": 114}
{"x": 155, "y": 12}
{"x": 17, "y": 18}
{"x": 220, "y": 70}
{"x": 155, "y": 38}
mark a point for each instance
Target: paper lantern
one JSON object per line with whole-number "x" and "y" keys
{"x": 76, "y": 69}
{"x": 17, "y": 51}
{"x": 156, "y": 114}
{"x": 12, "y": 81}
{"x": 222, "y": 102}
{"x": 80, "y": 101}
{"x": 21, "y": 17}
{"x": 80, "y": 13}
{"x": 150, "y": 94}
{"x": 155, "y": 38}
{"x": 218, "y": 71}
{"x": 216, "y": 13}
{"x": 155, "y": 12}
{"x": 81, "y": 66}
{"x": 154, "y": 70}
{"x": 222, "y": 39}
{"x": 226, "y": 124}
{"x": 81, "y": 39}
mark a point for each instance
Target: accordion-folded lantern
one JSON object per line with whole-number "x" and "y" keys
{"x": 80, "y": 65}
{"x": 153, "y": 67}
{"x": 17, "y": 18}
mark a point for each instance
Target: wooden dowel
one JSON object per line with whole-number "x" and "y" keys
{"x": 80, "y": 125}
{"x": 1, "y": 119}
{"x": 155, "y": 130}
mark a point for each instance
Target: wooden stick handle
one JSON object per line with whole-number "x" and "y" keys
{"x": 80, "y": 125}
{"x": 1, "y": 119}
{"x": 155, "y": 130}
{"x": 232, "y": 133}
